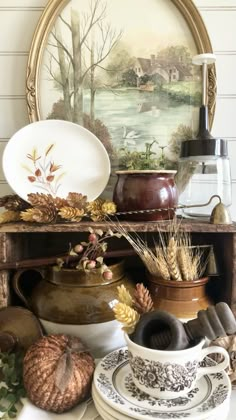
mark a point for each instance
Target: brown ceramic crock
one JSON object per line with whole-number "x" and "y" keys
{"x": 71, "y": 296}
{"x": 146, "y": 190}
{"x": 181, "y": 298}
{"x": 77, "y": 303}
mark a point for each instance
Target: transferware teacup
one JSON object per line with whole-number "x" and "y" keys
{"x": 170, "y": 374}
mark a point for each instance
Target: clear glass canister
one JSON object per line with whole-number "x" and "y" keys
{"x": 200, "y": 177}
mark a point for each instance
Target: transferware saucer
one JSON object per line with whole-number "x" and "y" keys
{"x": 114, "y": 385}
{"x": 108, "y": 413}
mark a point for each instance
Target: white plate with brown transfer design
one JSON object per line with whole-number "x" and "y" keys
{"x": 114, "y": 387}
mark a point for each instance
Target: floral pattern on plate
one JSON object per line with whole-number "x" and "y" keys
{"x": 114, "y": 358}
{"x": 114, "y": 385}
{"x": 43, "y": 170}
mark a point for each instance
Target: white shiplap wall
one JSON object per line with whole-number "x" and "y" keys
{"x": 18, "y": 19}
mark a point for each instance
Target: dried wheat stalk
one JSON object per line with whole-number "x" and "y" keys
{"x": 172, "y": 261}
{"x": 124, "y": 295}
{"x": 173, "y": 258}
{"x": 127, "y": 316}
{"x": 185, "y": 263}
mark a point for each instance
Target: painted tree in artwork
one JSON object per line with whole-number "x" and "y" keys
{"x": 71, "y": 64}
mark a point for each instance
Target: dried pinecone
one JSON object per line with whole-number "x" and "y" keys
{"x": 71, "y": 213}
{"x": 142, "y": 299}
{"x": 95, "y": 206}
{"x": 77, "y": 200}
{"x": 13, "y": 202}
{"x": 41, "y": 200}
{"x": 108, "y": 207}
{"x": 57, "y": 372}
{"x": 97, "y": 216}
{"x": 45, "y": 214}
{"x": 60, "y": 202}
{"x": 9, "y": 216}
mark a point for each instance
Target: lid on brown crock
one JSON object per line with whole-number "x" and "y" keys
{"x": 19, "y": 328}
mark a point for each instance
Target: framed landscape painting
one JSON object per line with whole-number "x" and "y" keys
{"x": 123, "y": 70}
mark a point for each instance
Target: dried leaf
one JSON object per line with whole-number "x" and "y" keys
{"x": 31, "y": 178}
{"x": 99, "y": 260}
{"x": 38, "y": 172}
{"x": 99, "y": 232}
{"x": 49, "y": 148}
{"x": 64, "y": 371}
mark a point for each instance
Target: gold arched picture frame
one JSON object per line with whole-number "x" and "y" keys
{"x": 124, "y": 71}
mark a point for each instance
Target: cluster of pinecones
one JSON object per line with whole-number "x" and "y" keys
{"x": 44, "y": 208}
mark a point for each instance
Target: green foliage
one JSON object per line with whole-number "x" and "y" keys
{"x": 145, "y": 78}
{"x": 175, "y": 54}
{"x": 133, "y": 160}
{"x": 185, "y": 92}
{"x": 11, "y": 368}
{"x": 129, "y": 78}
{"x": 182, "y": 133}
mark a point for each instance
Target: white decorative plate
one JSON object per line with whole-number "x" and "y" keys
{"x": 108, "y": 413}
{"x": 114, "y": 385}
{"x": 56, "y": 157}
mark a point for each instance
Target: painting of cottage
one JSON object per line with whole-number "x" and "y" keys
{"x": 124, "y": 71}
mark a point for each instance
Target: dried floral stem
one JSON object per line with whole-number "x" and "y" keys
{"x": 38, "y": 262}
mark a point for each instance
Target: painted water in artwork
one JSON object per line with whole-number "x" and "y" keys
{"x": 123, "y": 69}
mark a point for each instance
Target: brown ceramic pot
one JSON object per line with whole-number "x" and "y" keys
{"x": 77, "y": 303}
{"x": 71, "y": 296}
{"x": 181, "y": 298}
{"x": 146, "y": 190}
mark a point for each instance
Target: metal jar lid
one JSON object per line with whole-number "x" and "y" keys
{"x": 204, "y": 147}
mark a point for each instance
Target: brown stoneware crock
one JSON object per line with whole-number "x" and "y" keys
{"x": 180, "y": 298}
{"x": 146, "y": 190}
{"x": 71, "y": 301}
